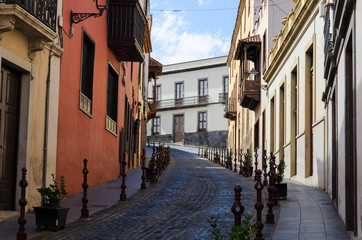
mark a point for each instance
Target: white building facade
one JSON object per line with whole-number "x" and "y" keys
{"x": 296, "y": 115}
{"x": 190, "y": 103}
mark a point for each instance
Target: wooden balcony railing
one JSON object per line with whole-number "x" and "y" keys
{"x": 231, "y": 108}
{"x": 43, "y": 10}
{"x": 249, "y": 95}
{"x": 126, "y": 30}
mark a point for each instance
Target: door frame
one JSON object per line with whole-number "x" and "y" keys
{"x": 22, "y": 66}
{"x": 174, "y": 125}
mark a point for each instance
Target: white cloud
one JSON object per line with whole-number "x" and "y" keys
{"x": 173, "y": 43}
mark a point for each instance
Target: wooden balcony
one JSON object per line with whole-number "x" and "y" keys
{"x": 248, "y": 51}
{"x": 230, "y": 109}
{"x": 126, "y": 30}
{"x": 152, "y": 105}
{"x": 249, "y": 95}
{"x": 154, "y": 68}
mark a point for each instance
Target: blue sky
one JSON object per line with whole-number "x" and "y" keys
{"x": 197, "y": 29}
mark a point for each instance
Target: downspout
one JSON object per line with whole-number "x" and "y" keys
{"x": 45, "y": 146}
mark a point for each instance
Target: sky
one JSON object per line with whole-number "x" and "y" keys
{"x": 186, "y": 30}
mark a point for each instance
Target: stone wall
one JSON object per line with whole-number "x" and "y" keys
{"x": 211, "y": 139}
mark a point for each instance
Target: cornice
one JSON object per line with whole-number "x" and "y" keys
{"x": 295, "y": 23}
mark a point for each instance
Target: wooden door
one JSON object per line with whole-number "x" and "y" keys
{"x": 9, "y": 103}
{"x": 178, "y": 124}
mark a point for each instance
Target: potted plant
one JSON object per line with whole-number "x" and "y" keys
{"x": 50, "y": 214}
{"x": 149, "y": 169}
{"x": 282, "y": 188}
{"x": 217, "y": 157}
{"x": 206, "y": 149}
{"x": 247, "y": 162}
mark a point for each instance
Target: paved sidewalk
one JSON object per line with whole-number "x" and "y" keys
{"x": 100, "y": 197}
{"x": 306, "y": 214}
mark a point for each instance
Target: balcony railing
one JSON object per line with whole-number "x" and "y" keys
{"x": 182, "y": 102}
{"x": 126, "y": 30}
{"x": 44, "y": 10}
{"x": 231, "y": 105}
{"x": 249, "y": 94}
{"x": 328, "y": 36}
{"x": 230, "y": 108}
{"x": 223, "y": 97}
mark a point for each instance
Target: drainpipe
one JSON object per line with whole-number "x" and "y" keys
{"x": 45, "y": 146}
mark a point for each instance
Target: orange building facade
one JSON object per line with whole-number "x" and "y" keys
{"x": 102, "y": 70}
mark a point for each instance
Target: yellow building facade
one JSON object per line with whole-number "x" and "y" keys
{"x": 30, "y": 66}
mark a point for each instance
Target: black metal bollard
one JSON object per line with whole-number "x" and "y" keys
{"x": 237, "y": 209}
{"x": 270, "y": 214}
{"x": 198, "y": 151}
{"x": 259, "y": 205}
{"x": 265, "y": 166}
{"x": 248, "y": 163}
{"x": 85, "y": 212}
{"x": 272, "y": 181}
{"x": 153, "y": 173}
{"x": 123, "y": 196}
{"x": 235, "y": 164}
{"x": 256, "y": 163}
{"x": 143, "y": 184}
{"x": 21, "y": 235}
{"x": 241, "y": 162}
{"x": 231, "y": 159}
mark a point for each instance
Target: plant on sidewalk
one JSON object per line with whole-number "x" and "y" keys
{"x": 52, "y": 195}
{"x": 206, "y": 149}
{"x": 247, "y": 159}
{"x": 280, "y": 171}
{"x": 245, "y": 232}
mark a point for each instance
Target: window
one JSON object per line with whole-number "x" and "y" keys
{"x": 112, "y": 100}
{"x": 225, "y": 82}
{"x": 202, "y": 122}
{"x": 158, "y": 93}
{"x": 256, "y": 135}
{"x": 264, "y": 52}
{"x": 179, "y": 93}
{"x": 86, "y": 87}
{"x": 156, "y": 126}
{"x": 272, "y": 125}
{"x": 202, "y": 90}
{"x": 202, "y": 87}
{"x": 309, "y": 110}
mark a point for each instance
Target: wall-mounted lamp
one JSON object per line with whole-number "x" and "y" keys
{"x": 78, "y": 17}
{"x": 252, "y": 77}
{"x": 252, "y": 74}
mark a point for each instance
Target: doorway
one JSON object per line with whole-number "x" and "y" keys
{"x": 9, "y": 110}
{"x": 178, "y": 125}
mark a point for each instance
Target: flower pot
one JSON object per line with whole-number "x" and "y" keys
{"x": 282, "y": 190}
{"x": 148, "y": 173}
{"x": 52, "y": 218}
{"x": 250, "y": 171}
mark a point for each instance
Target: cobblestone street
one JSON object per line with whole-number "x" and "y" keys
{"x": 189, "y": 192}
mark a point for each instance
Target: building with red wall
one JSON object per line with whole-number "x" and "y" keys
{"x": 101, "y": 72}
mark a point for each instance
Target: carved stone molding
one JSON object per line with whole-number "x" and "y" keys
{"x": 34, "y": 46}
{"x": 6, "y": 24}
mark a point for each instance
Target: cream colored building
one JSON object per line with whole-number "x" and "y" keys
{"x": 297, "y": 117}
{"x": 252, "y": 40}
{"x": 30, "y": 65}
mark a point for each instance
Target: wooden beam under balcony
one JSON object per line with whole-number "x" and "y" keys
{"x": 126, "y": 30}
